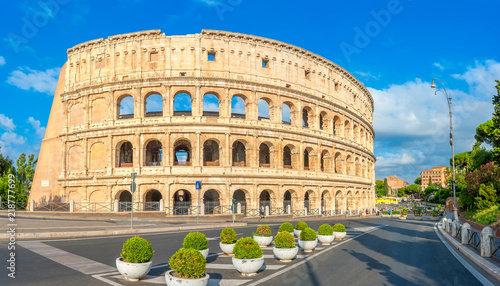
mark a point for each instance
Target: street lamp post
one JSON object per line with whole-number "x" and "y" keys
{"x": 433, "y": 85}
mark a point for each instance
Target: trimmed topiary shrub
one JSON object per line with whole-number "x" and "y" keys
{"x": 385, "y": 212}
{"x": 195, "y": 240}
{"x": 247, "y": 248}
{"x": 284, "y": 239}
{"x": 137, "y": 250}
{"x": 228, "y": 235}
{"x": 338, "y": 227}
{"x": 188, "y": 263}
{"x": 301, "y": 225}
{"x": 308, "y": 234}
{"x": 325, "y": 229}
{"x": 263, "y": 230}
{"x": 396, "y": 212}
{"x": 405, "y": 212}
{"x": 286, "y": 226}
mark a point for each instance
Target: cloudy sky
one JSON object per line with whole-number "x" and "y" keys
{"x": 394, "y": 47}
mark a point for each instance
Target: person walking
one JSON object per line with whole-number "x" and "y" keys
{"x": 261, "y": 211}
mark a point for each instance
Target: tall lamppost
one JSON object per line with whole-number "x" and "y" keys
{"x": 433, "y": 85}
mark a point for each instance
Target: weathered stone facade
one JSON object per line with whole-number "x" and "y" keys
{"x": 323, "y": 155}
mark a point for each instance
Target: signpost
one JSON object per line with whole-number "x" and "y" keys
{"x": 233, "y": 208}
{"x": 198, "y": 187}
{"x": 133, "y": 186}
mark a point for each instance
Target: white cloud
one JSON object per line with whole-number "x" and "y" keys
{"x": 40, "y": 131}
{"x": 439, "y": 66}
{"x": 209, "y": 2}
{"x": 41, "y": 81}
{"x": 6, "y": 122}
{"x": 2, "y": 61}
{"x": 367, "y": 75}
{"x": 11, "y": 138}
{"x": 481, "y": 78}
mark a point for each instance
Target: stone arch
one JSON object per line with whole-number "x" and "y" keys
{"x": 309, "y": 159}
{"x": 355, "y": 133}
{"x": 326, "y": 199}
{"x": 265, "y": 198}
{"x": 152, "y": 200}
{"x": 76, "y": 114}
{"x": 153, "y": 153}
{"x": 125, "y": 106}
{"x": 239, "y": 106}
{"x": 98, "y": 156}
{"x": 182, "y": 202}
{"x": 75, "y": 158}
{"x": 309, "y": 200}
{"x": 324, "y": 121}
{"x": 183, "y": 104}
{"x": 325, "y": 161}
{"x": 287, "y": 158}
{"x": 211, "y": 153}
{"x": 265, "y": 159}
{"x": 182, "y": 152}
{"x": 349, "y": 165}
{"x": 125, "y": 154}
{"x": 337, "y": 163}
{"x": 307, "y": 117}
{"x": 211, "y": 104}
{"x": 97, "y": 196}
{"x": 153, "y": 104}
{"x": 337, "y": 126}
{"x": 347, "y": 129}
{"x": 211, "y": 200}
{"x": 239, "y": 153}
{"x": 287, "y": 113}
{"x": 265, "y": 107}
{"x": 357, "y": 167}
{"x": 241, "y": 197}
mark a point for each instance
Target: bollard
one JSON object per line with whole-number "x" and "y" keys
{"x": 267, "y": 211}
{"x": 454, "y": 228}
{"x": 162, "y": 205}
{"x": 465, "y": 233}
{"x": 71, "y": 206}
{"x": 117, "y": 206}
{"x": 288, "y": 209}
{"x": 238, "y": 208}
{"x": 305, "y": 212}
{"x": 202, "y": 209}
{"x": 32, "y": 205}
{"x": 486, "y": 249}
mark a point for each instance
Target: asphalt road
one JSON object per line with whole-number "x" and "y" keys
{"x": 376, "y": 252}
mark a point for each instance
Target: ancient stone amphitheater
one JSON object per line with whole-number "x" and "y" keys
{"x": 252, "y": 119}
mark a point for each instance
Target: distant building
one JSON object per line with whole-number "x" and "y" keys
{"x": 395, "y": 184}
{"x": 438, "y": 175}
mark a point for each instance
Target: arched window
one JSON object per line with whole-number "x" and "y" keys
{"x": 337, "y": 126}
{"x": 306, "y": 159}
{"x": 238, "y": 109}
{"x": 264, "y": 156}
{"x": 182, "y": 202}
{"x": 263, "y": 109}
{"x": 126, "y": 155}
{"x": 347, "y": 130}
{"x": 182, "y": 153}
{"x": 305, "y": 118}
{"x": 239, "y": 154}
{"x": 126, "y": 107}
{"x": 287, "y": 200}
{"x": 154, "y": 105}
{"x": 287, "y": 158}
{"x": 240, "y": 197}
{"x": 210, "y": 153}
{"x": 265, "y": 199}
{"x": 286, "y": 116}
{"x": 152, "y": 200}
{"x": 154, "y": 153}
{"x": 211, "y": 201}
{"x": 337, "y": 164}
{"x": 125, "y": 201}
{"x": 182, "y": 105}
{"x": 210, "y": 105}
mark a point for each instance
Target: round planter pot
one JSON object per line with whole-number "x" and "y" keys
{"x": 227, "y": 248}
{"x": 297, "y": 232}
{"x": 285, "y": 254}
{"x": 263, "y": 241}
{"x": 176, "y": 281}
{"x": 308, "y": 246}
{"x": 326, "y": 239}
{"x": 419, "y": 218}
{"x": 434, "y": 218}
{"x": 402, "y": 217}
{"x": 204, "y": 252}
{"x": 133, "y": 271}
{"x": 339, "y": 235}
{"x": 248, "y": 267}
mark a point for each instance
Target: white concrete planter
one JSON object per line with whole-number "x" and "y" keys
{"x": 297, "y": 232}
{"x": 263, "y": 241}
{"x": 339, "y": 235}
{"x": 326, "y": 239}
{"x": 204, "y": 252}
{"x": 285, "y": 254}
{"x": 385, "y": 215}
{"x": 434, "y": 218}
{"x": 419, "y": 218}
{"x": 133, "y": 271}
{"x": 175, "y": 281}
{"x": 402, "y": 217}
{"x": 308, "y": 246}
{"x": 227, "y": 248}
{"x": 248, "y": 267}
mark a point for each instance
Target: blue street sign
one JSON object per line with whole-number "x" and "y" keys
{"x": 198, "y": 185}
{"x": 133, "y": 186}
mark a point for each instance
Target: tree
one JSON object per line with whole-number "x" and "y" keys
{"x": 479, "y": 156}
{"x": 379, "y": 188}
{"x": 462, "y": 160}
{"x": 489, "y": 132}
{"x": 386, "y": 187}
{"x": 24, "y": 174}
{"x": 5, "y": 163}
{"x": 418, "y": 181}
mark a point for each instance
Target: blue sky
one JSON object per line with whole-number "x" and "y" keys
{"x": 394, "y": 47}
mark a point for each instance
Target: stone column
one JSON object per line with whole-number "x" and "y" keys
{"x": 486, "y": 249}
{"x": 465, "y": 233}
{"x": 116, "y": 206}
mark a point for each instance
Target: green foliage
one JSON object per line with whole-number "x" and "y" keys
{"x": 418, "y": 181}
{"x": 263, "y": 230}
{"x": 338, "y": 227}
{"x": 284, "y": 239}
{"x": 489, "y": 132}
{"x": 325, "y": 229}
{"x": 301, "y": 225}
{"x": 479, "y": 157}
{"x": 486, "y": 197}
{"x": 385, "y": 212}
{"x": 5, "y": 163}
{"x": 462, "y": 160}
{"x": 411, "y": 189}
{"x": 247, "y": 248}
{"x": 308, "y": 234}
{"x": 483, "y": 184}
{"x": 434, "y": 212}
{"x": 23, "y": 172}
{"x": 488, "y": 216}
{"x": 195, "y": 240}
{"x": 228, "y": 235}
{"x": 386, "y": 187}
{"x": 188, "y": 263}
{"x": 418, "y": 211}
{"x": 379, "y": 188}
{"x": 405, "y": 212}
{"x": 137, "y": 250}
{"x": 396, "y": 212}
{"x": 286, "y": 226}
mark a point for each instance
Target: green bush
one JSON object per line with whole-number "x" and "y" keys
{"x": 247, "y": 248}
{"x": 385, "y": 212}
{"x": 434, "y": 212}
{"x": 488, "y": 216}
{"x": 286, "y": 226}
{"x": 338, "y": 227}
{"x": 137, "y": 250}
{"x": 284, "y": 240}
{"x": 396, "y": 212}
{"x": 308, "y": 234}
{"x": 263, "y": 230}
{"x": 228, "y": 236}
{"x": 301, "y": 225}
{"x": 405, "y": 212}
{"x": 188, "y": 263}
{"x": 195, "y": 240}
{"x": 325, "y": 229}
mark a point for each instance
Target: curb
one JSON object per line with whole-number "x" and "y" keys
{"x": 484, "y": 264}
{"x": 45, "y": 235}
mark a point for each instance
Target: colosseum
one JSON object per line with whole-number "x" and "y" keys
{"x": 252, "y": 119}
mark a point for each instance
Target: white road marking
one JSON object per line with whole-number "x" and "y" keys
{"x": 271, "y": 256}
{"x": 70, "y": 260}
{"x": 230, "y": 266}
{"x": 473, "y": 271}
